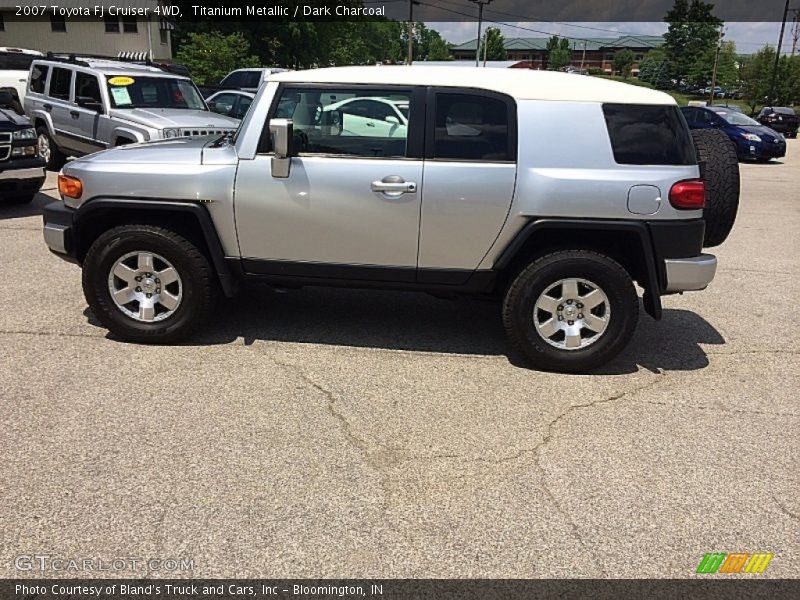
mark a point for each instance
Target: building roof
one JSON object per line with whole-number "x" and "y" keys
{"x": 522, "y": 84}
{"x": 540, "y": 43}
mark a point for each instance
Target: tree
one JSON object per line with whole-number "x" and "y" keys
{"x": 693, "y": 29}
{"x": 756, "y": 77}
{"x": 428, "y": 43}
{"x": 702, "y": 69}
{"x": 654, "y": 69}
{"x": 559, "y": 54}
{"x": 623, "y": 61}
{"x": 494, "y": 44}
{"x": 211, "y": 56}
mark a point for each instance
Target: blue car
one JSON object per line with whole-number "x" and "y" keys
{"x": 752, "y": 140}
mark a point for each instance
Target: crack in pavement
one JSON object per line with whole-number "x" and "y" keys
{"x": 785, "y": 510}
{"x": 722, "y": 409}
{"x": 53, "y": 333}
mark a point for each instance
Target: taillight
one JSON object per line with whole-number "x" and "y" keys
{"x": 688, "y": 195}
{"x": 71, "y": 187}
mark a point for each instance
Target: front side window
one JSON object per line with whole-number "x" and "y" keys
{"x": 346, "y": 122}
{"x": 38, "y": 78}
{"x": 471, "y": 127}
{"x": 153, "y": 92}
{"x": 223, "y": 104}
{"x": 649, "y": 135}
{"x": 60, "y": 82}
{"x": 242, "y": 107}
{"x": 87, "y": 87}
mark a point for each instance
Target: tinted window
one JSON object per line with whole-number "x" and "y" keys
{"x": 471, "y": 128}
{"x": 241, "y": 79}
{"x": 153, "y": 92}
{"x": 242, "y": 107}
{"x": 223, "y": 104}
{"x": 16, "y": 61}
{"x": 87, "y": 86}
{"x": 321, "y": 125}
{"x": 38, "y": 77}
{"x": 784, "y": 110}
{"x": 649, "y": 135}
{"x": 60, "y": 82}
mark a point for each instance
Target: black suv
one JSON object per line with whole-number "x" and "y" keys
{"x": 21, "y": 168}
{"x": 780, "y": 118}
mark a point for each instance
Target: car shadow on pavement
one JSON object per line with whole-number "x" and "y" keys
{"x": 422, "y": 323}
{"x": 9, "y": 210}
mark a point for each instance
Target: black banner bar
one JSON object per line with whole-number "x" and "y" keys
{"x": 397, "y": 589}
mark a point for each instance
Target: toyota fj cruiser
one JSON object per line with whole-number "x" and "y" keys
{"x": 484, "y": 192}
{"x": 82, "y": 105}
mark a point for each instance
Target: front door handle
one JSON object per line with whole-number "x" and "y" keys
{"x": 75, "y": 114}
{"x": 394, "y": 185}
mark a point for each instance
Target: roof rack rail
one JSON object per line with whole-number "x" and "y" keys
{"x": 82, "y": 60}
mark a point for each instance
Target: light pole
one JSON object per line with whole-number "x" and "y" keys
{"x": 481, "y": 4}
{"x": 778, "y": 54}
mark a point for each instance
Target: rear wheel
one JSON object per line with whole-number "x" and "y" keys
{"x": 48, "y": 150}
{"x": 721, "y": 176}
{"x": 571, "y": 311}
{"x": 148, "y": 284}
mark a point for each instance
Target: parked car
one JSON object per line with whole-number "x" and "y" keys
{"x": 718, "y": 92}
{"x": 21, "y": 168}
{"x": 231, "y": 103}
{"x": 15, "y": 63}
{"x": 559, "y": 225}
{"x": 248, "y": 80}
{"x": 382, "y": 117}
{"x": 752, "y": 140}
{"x": 780, "y": 118}
{"x": 80, "y": 106}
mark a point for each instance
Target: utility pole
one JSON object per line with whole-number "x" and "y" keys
{"x": 583, "y": 57}
{"x": 485, "y": 47}
{"x": 410, "y": 57}
{"x": 795, "y": 29}
{"x": 778, "y": 55}
{"x": 714, "y": 72}
{"x": 481, "y": 4}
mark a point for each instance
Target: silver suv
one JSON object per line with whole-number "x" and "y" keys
{"x": 80, "y": 106}
{"x": 550, "y": 192}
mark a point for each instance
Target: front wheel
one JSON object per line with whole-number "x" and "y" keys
{"x": 148, "y": 284}
{"x": 571, "y": 311}
{"x": 48, "y": 150}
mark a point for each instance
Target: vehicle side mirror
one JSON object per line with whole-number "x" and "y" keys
{"x": 212, "y": 106}
{"x": 89, "y": 103}
{"x": 392, "y": 119}
{"x": 281, "y": 131}
{"x": 6, "y": 98}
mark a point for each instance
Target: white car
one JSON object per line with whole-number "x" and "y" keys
{"x": 231, "y": 103}
{"x": 249, "y": 79}
{"x": 372, "y": 116}
{"x": 14, "y": 66}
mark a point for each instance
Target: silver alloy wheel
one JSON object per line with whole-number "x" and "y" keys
{"x": 43, "y": 144}
{"x": 572, "y": 314}
{"x": 145, "y": 286}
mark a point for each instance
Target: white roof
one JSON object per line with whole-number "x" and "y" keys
{"x": 523, "y": 84}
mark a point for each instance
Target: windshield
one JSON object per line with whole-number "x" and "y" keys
{"x": 736, "y": 118}
{"x": 153, "y": 92}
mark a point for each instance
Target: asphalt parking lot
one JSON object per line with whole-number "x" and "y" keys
{"x": 336, "y": 433}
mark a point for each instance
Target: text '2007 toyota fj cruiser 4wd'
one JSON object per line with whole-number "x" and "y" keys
{"x": 80, "y": 106}
{"x": 484, "y": 191}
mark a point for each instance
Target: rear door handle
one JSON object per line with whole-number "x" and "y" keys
{"x": 75, "y": 114}
{"x": 394, "y": 185}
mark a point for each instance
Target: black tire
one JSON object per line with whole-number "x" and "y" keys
{"x": 537, "y": 277}
{"x": 57, "y": 158}
{"x": 721, "y": 176}
{"x": 199, "y": 283}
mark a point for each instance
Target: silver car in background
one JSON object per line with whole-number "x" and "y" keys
{"x": 81, "y": 106}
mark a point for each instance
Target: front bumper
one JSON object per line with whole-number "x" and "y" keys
{"x": 689, "y": 274}
{"x": 762, "y": 149}
{"x": 59, "y": 230}
{"x": 16, "y": 180}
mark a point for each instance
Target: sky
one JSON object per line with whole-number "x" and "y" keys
{"x": 749, "y": 37}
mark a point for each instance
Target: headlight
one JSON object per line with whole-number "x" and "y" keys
{"x": 751, "y": 137}
{"x": 171, "y": 133}
{"x": 24, "y": 134}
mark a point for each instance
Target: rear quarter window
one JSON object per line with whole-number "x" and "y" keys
{"x": 649, "y": 135}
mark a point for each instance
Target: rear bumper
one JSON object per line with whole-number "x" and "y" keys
{"x": 689, "y": 274}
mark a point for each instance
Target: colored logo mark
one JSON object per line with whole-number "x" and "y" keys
{"x": 735, "y": 562}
